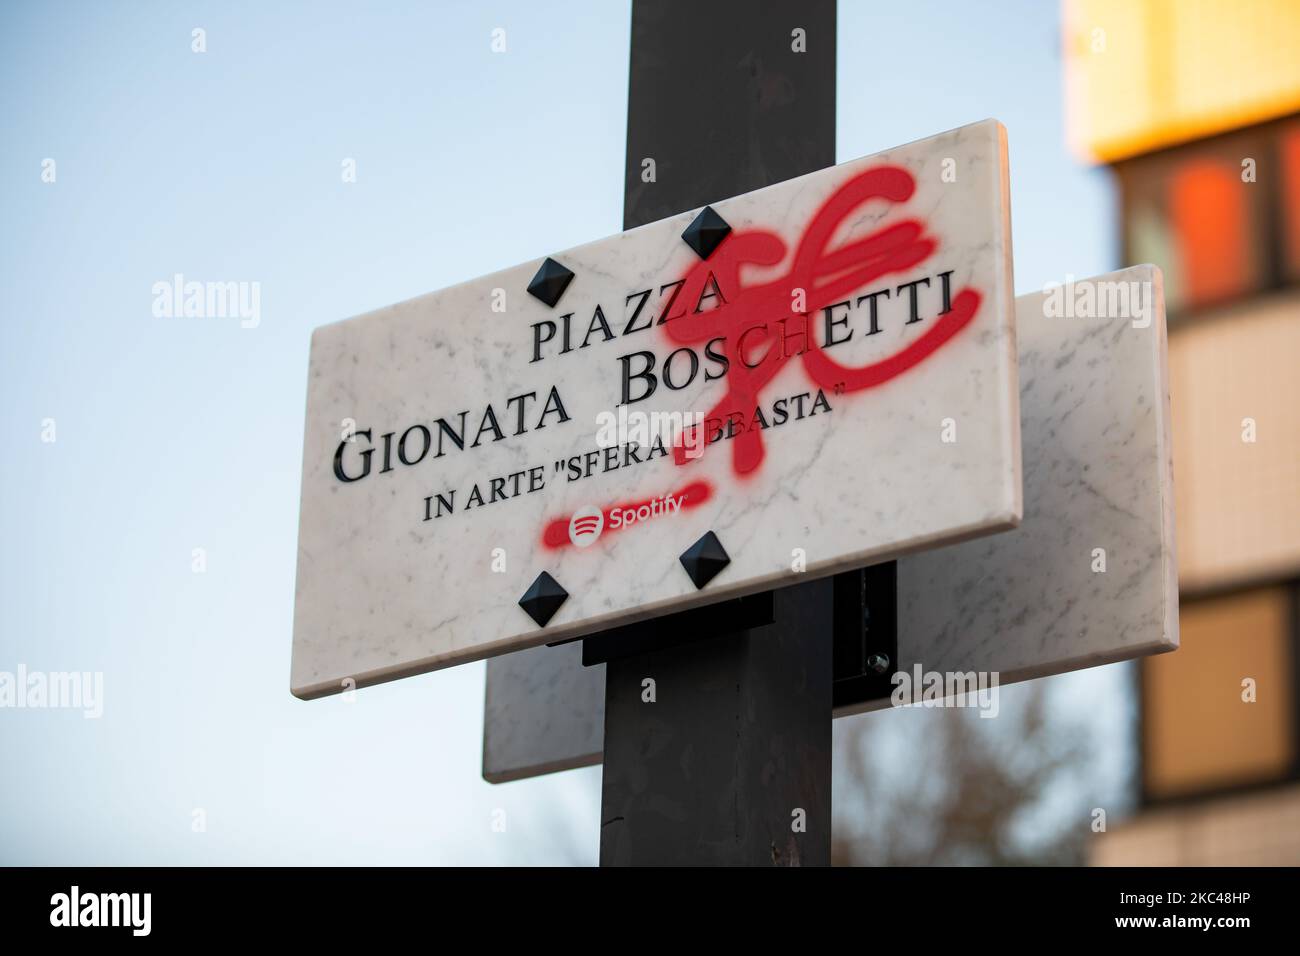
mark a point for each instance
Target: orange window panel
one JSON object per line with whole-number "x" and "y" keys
{"x": 1204, "y": 212}
{"x": 1208, "y": 214}
{"x": 1289, "y": 155}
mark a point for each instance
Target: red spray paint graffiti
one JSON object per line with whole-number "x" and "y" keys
{"x": 826, "y": 276}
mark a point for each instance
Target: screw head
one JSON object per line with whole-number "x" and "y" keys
{"x": 550, "y": 282}
{"x": 543, "y": 598}
{"x": 878, "y": 663}
{"x": 705, "y": 559}
{"x": 706, "y": 232}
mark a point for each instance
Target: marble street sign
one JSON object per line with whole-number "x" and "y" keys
{"x": 805, "y": 379}
{"x": 1090, "y": 575}
{"x": 543, "y": 711}
{"x": 1088, "y": 578}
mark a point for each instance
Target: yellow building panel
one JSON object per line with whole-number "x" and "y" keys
{"x": 1235, "y": 402}
{"x": 1258, "y": 829}
{"x": 1143, "y": 74}
{"x": 1203, "y": 729}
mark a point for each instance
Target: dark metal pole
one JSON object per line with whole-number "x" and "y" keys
{"x": 731, "y": 763}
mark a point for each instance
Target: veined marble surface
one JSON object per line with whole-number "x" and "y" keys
{"x": 543, "y": 711}
{"x": 1098, "y": 494}
{"x": 900, "y": 430}
{"x": 1094, "y": 408}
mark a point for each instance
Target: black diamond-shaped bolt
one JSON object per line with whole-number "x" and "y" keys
{"x": 706, "y": 232}
{"x": 550, "y": 282}
{"x": 704, "y": 559}
{"x": 543, "y": 598}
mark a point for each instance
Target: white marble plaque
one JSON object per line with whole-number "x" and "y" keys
{"x": 1094, "y": 405}
{"x": 843, "y": 361}
{"x": 1090, "y": 576}
{"x": 543, "y": 711}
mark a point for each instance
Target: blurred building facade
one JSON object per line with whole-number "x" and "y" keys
{"x": 1195, "y": 106}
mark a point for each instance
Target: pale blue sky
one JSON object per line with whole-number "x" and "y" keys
{"x": 175, "y": 434}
